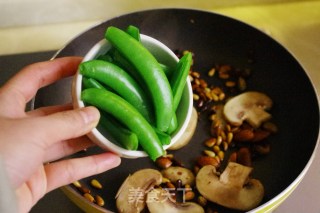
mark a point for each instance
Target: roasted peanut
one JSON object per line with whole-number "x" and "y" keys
{"x": 260, "y": 135}
{"x": 163, "y": 162}
{"x": 233, "y": 157}
{"x": 189, "y": 195}
{"x": 207, "y": 160}
{"x": 244, "y": 156}
{"x": 243, "y": 135}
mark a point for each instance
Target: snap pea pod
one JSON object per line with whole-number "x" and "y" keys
{"x": 120, "y": 81}
{"x": 105, "y": 57}
{"x": 179, "y": 78}
{"x": 127, "y": 115}
{"x": 119, "y": 60}
{"x": 91, "y": 83}
{"x": 134, "y": 32}
{"x": 125, "y": 65}
{"x": 125, "y": 137}
{"x": 166, "y": 69}
{"x": 164, "y": 138}
{"x": 149, "y": 70}
{"x": 173, "y": 125}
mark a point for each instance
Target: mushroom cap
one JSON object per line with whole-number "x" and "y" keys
{"x": 160, "y": 201}
{"x": 175, "y": 173}
{"x": 248, "y": 106}
{"x": 239, "y": 193}
{"x": 187, "y": 135}
{"x": 132, "y": 194}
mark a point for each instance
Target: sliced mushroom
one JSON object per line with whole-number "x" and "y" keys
{"x": 132, "y": 194}
{"x": 175, "y": 173}
{"x": 233, "y": 189}
{"x": 187, "y": 135}
{"x": 161, "y": 201}
{"x": 248, "y": 106}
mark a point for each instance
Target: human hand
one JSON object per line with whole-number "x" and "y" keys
{"x": 29, "y": 140}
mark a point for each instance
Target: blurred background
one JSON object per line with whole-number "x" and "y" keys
{"x": 33, "y": 26}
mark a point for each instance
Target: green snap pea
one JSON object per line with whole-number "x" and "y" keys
{"x": 124, "y": 136}
{"x": 105, "y": 57}
{"x": 149, "y": 70}
{"x": 91, "y": 83}
{"x": 134, "y": 32}
{"x": 127, "y": 115}
{"x": 179, "y": 78}
{"x": 164, "y": 138}
{"x": 119, "y": 81}
{"x": 173, "y": 125}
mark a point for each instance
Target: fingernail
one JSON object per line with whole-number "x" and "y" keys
{"x": 91, "y": 115}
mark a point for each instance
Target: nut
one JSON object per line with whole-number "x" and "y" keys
{"x": 243, "y": 135}
{"x": 77, "y": 184}
{"x": 84, "y": 190}
{"x": 211, "y": 72}
{"x": 89, "y": 197}
{"x": 230, "y": 84}
{"x": 96, "y": 184}
{"x": 202, "y": 201}
{"x": 233, "y": 157}
{"x": 207, "y": 160}
{"x": 210, "y": 142}
{"x": 225, "y": 146}
{"x": 209, "y": 153}
{"x": 260, "y": 135}
{"x": 189, "y": 195}
{"x": 99, "y": 200}
{"x": 216, "y": 149}
{"x": 220, "y": 154}
{"x": 262, "y": 149}
{"x": 242, "y": 84}
{"x": 244, "y": 157}
{"x": 229, "y": 137}
{"x": 271, "y": 127}
{"x": 170, "y": 185}
{"x": 163, "y": 162}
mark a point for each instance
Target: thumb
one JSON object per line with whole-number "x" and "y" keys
{"x": 67, "y": 124}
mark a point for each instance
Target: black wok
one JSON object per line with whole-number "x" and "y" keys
{"x": 217, "y": 39}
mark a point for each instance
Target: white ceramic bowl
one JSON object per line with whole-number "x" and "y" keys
{"x": 164, "y": 55}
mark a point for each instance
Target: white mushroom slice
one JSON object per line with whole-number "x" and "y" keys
{"x": 248, "y": 106}
{"x": 233, "y": 189}
{"x": 160, "y": 201}
{"x": 132, "y": 194}
{"x": 175, "y": 173}
{"x": 187, "y": 135}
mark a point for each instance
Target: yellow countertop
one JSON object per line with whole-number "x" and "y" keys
{"x": 296, "y": 25}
